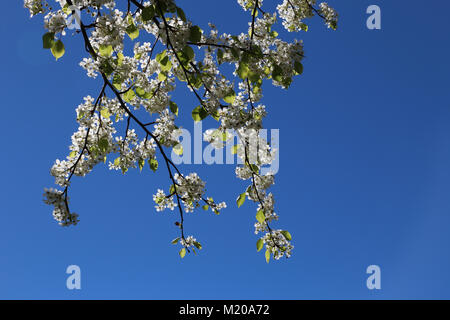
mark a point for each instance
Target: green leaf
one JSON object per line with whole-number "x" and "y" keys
{"x": 259, "y": 244}
{"x": 181, "y": 14}
{"x": 58, "y": 49}
{"x": 235, "y": 52}
{"x": 234, "y": 149}
{"x": 103, "y": 144}
{"x": 129, "y": 95}
{"x": 106, "y": 67}
{"x": 73, "y": 154}
{"x": 199, "y": 113}
{"x": 242, "y": 70}
{"x": 142, "y": 93}
{"x": 48, "y": 40}
{"x": 120, "y": 58}
{"x": 175, "y": 241}
{"x": 267, "y": 255}
{"x": 254, "y": 168}
{"x": 230, "y": 97}
{"x": 106, "y": 50}
{"x": 173, "y": 108}
{"x": 161, "y": 55}
{"x": 182, "y": 252}
{"x": 298, "y": 67}
{"x": 277, "y": 73}
{"x": 132, "y": 31}
{"x": 260, "y": 216}
{"x": 195, "y": 34}
{"x": 162, "y": 76}
{"x": 333, "y": 25}
{"x": 153, "y": 163}
{"x": 241, "y": 199}
{"x": 198, "y": 245}
{"x": 141, "y": 163}
{"x": 117, "y": 161}
{"x": 66, "y": 9}
{"x": 205, "y": 207}
{"x": 117, "y": 82}
{"x": 165, "y": 63}
{"x": 189, "y": 52}
{"x": 219, "y": 56}
{"x": 148, "y": 13}
{"x": 105, "y": 113}
{"x": 287, "y": 235}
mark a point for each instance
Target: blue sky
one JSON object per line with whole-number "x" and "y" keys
{"x": 364, "y": 173}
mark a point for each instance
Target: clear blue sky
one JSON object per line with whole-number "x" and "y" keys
{"x": 364, "y": 173}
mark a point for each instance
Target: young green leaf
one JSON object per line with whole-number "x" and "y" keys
{"x": 129, "y": 95}
{"x": 175, "y": 241}
{"x": 267, "y": 254}
{"x": 106, "y": 50}
{"x": 48, "y": 40}
{"x": 298, "y": 67}
{"x": 153, "y": 163}
{"x": 189, "y": 52}
{"x": 105, "y": 113}
{"x": 58, "y": 49}
{"x": 230, "y": 97}
{"x": 148, "y": 13}
{"x": 195, "y": 34}
{"x": 141, "y": 163}
{"x": 199, "y": 113}
{"x": 277, "y": 73}
{"x": 259, "y": 244}
{"x": 182, "y": 252}
{"x": 260, "y": 216}
{"x": 142, "y": 93}
{"x": 287, "y": 235}
{"x": 132, "y": 31}
{"x": 242, "y": 70}
{"x": 181, "y": 14}
{"x": 198, "y": 245}
{"x": 241, "y": 199}
{"x": 173, "y": 107}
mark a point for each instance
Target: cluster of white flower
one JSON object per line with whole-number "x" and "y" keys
{"x": 277, "y": 244}
{"x": 110, "y": 30}
{"x": 330, "y": 15}
{"x": 216, "y": 138}
{"x": 249, "y": 4}
{"x": 55, "y": 22}
{"x": 91, "y": 67}
{"x": 294, "y": 12}
{"x": 142, "y": 81}
{"x": 189, "y": 241}
{"x": 35, "y": 6}
{"x": 163, "y": 201}
{"x": 191, "y": 190}
{"x": 166, "y": 130}
{"x": 61, "y": 212}
{"x": 267, "y": 207}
